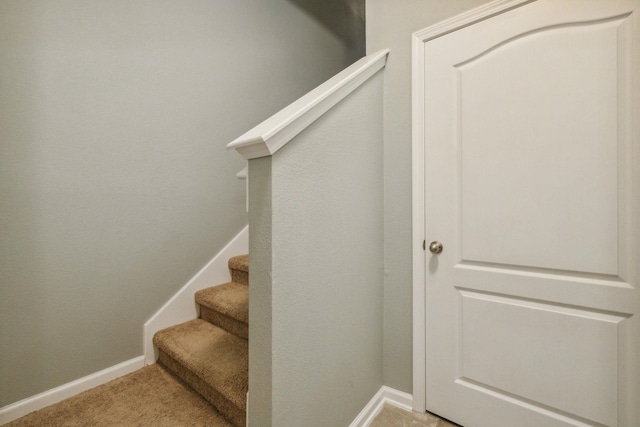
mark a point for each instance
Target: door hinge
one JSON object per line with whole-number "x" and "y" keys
{"x": 424, "y": 245}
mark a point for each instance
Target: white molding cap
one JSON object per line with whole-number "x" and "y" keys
{"x": 243, "y": 173}
{"x": 464, "y": 19}
{"x": 272, "y": 134}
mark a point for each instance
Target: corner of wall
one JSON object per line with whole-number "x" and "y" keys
{"x": 384, "y": 395}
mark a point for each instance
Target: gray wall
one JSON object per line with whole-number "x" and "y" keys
{"x": 315, "y": 344}
{"x": 115, "y": 187}
{"x": 390, "y": 25}
{"x": 260, "y": 289}
{"x": 344, "y": 18}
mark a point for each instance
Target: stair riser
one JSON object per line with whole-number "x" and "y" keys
{"x": 227, "y": 408}
{"x": 240, "y": 276}
{"x": 227, "y": 323}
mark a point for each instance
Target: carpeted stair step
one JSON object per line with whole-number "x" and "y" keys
{"x": 210, "y": 360}
{"x": 239, "y": 266}
{"x": 226, "y": 306}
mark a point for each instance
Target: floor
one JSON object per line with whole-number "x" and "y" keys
{"x": 153, "y": 397}
{"x": 149, "y": 397}
{"x": 391, "y": 416}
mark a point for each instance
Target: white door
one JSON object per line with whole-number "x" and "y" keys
{"x": 531, "y": 133}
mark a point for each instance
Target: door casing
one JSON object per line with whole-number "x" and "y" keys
{"x": 418, "y": 178}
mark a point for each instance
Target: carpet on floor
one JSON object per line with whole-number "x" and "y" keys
{"x": 148, "y": 397}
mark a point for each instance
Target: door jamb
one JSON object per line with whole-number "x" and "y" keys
{"x": 418, "y": 39}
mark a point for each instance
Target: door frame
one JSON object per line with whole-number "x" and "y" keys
{"x": 418, "y": 177}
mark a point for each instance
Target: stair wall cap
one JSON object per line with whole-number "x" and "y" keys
{"x": 272, "y": 134}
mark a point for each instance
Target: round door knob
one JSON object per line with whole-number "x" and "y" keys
{"x": 435, "y": 247}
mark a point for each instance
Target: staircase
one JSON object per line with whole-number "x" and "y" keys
{"x": 210, "y": 354}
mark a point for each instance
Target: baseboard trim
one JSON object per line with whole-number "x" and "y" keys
{"x": 182, "y": 307}
{"x": 384, "y": 395}
{"x": 34, "y": 403}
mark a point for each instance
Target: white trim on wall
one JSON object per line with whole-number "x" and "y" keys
{"x": 418, "y": 236}
{"x": 272, "y": 134}
{"x": 418, "y": 178}
{"x": 34, "y": 403}
{"x": 182, "y": 306}
{"x": 384, "y": 395}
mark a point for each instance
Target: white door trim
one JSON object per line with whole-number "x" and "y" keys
{"x": 418, "y": 178}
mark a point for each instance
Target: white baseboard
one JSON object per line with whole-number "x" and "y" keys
{"x": 34, "y": 403}
{"x": 182, "y": 307}
{"x": 384, "y": 395}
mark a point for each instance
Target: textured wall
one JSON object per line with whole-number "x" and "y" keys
{"x": 390, "y": 25}
{"x": 260, "y": 302}
{"x": 115, "y": 187}
{"x": 325, "y": 204}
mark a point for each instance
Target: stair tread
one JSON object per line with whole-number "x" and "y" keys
{"x": 240, "y": 262}
{"x": 230, "y": 299}
{"x": 217, "y": 357}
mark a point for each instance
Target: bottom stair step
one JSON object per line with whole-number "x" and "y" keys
{"x": 211, "y": 361}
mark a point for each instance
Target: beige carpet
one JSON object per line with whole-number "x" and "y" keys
{"x": 211, "y": 361}
{"x": 148, "y": 397}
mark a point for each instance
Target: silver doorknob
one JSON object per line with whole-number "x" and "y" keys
{"x": 435, "y": 247}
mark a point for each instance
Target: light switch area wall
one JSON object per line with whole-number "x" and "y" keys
{"x": 115, "y": 186}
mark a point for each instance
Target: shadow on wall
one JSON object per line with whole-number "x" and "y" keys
{"x": 344, "y": 18}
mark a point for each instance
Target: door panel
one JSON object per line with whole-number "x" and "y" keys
{"x": 532, "y": 184}
{"x": 558, "y": 179}
{"x": 558, "y": 344}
